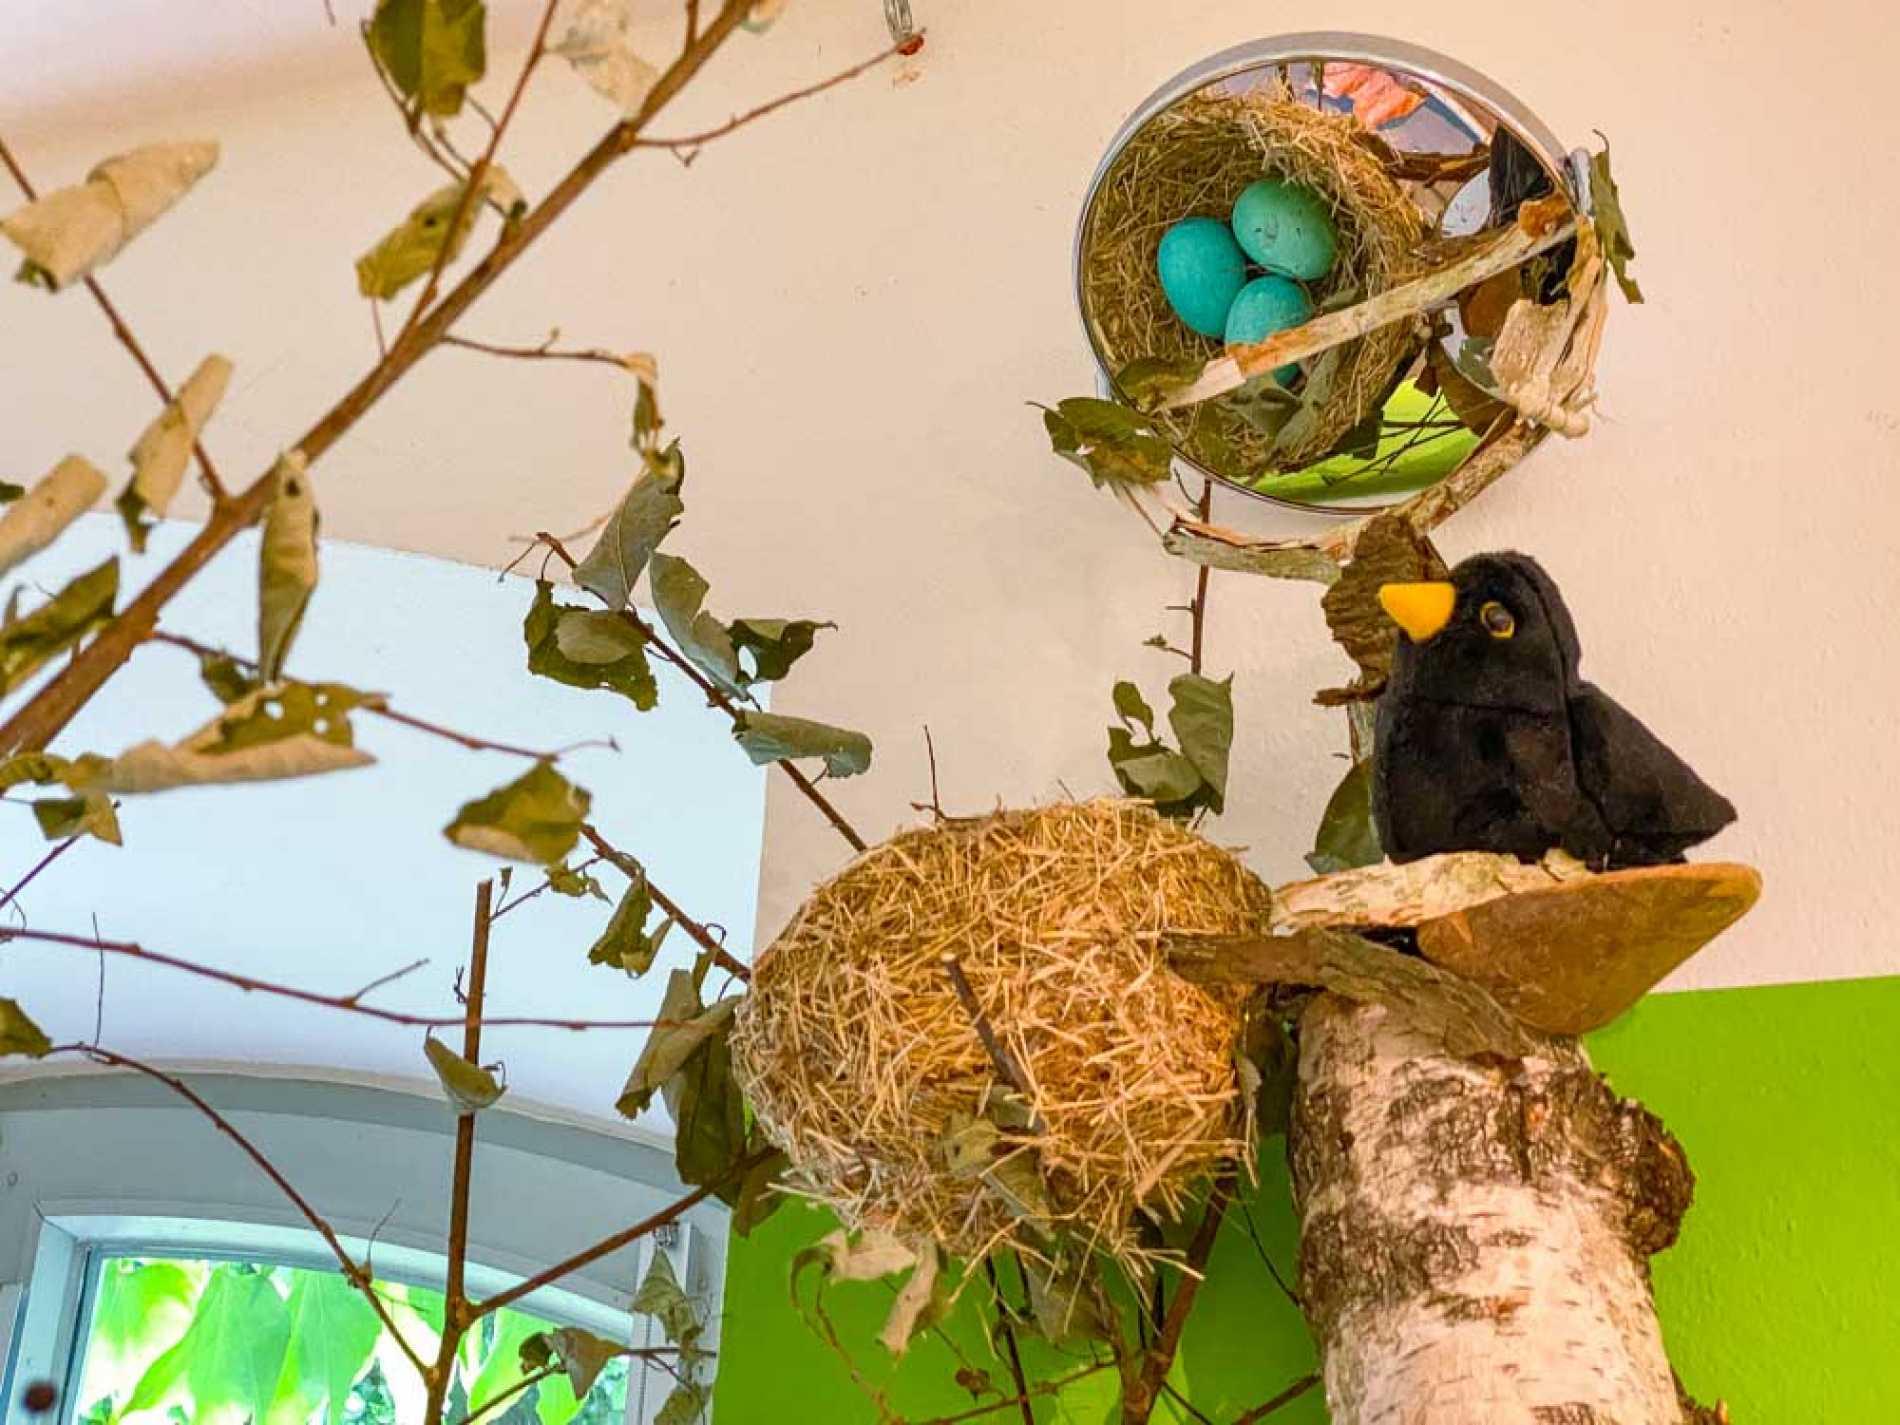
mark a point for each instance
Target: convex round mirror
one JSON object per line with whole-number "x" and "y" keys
{"x": 1293, "y": 179}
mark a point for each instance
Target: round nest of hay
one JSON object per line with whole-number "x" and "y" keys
{"x": 1192, "y": 160}
{"x": 863, "y": 1063}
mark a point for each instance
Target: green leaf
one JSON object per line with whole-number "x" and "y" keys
{"x": 685, "y": 1406}
{"x": 19, "y": 1034}
{"x": 1059, "y": 1298}
{"x": 225, "y": 677}
{"x": 230, "y": 1358}
{"x": 432, "y": 232}
{"x": 141, "y": 1311}
{"x": 625, "y": 944}
{"x": 758, "y": 1197}
{"x": 1155, "y": 772}
{"x": 287, "y": 564}
{"x": 492, "y": 1368}
{"x": 1263, "y": 403}
{"x": 1132, "y": 707}
{"x": 687, "y": 1026}
{"x": 1203, "y": 721}
{"x": 470, "y": 1087}
{"x": 774, "y": 644}
{"x": 333, "y": 1335}
{"x": 1347, "y": 835}
{"x": 1612, "y": 227}
{"x": 1147, "y": 379}
{"x": 1268, "y": 1065}
{"x": 56, "y": 625}
{"x": 88, "y": 814}
{"x": 771, "y": 737}
{"x": 709, "y": 1113}
{"x": 644, "y": 516}
{"x": 663, "y": 1298}
{"x": 584, "y": 1355}
{"x": 569, "y": 881}
{"x": 536, "y": 817}
{"x": 1017, "y": 1179}
{"x": 1116, "y": 444}
{"x": 9, "y": 492}
{"x": 432, "y": 50}
{"x": 40, "y": 767}
{"x": 550, "y": 626}
{"x": 678, "y": 593}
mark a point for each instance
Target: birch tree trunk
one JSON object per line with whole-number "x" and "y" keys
{"x": 1476, "y": 1232}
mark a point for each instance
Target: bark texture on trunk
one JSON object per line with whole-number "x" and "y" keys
{"x": 1476, "y": 1233}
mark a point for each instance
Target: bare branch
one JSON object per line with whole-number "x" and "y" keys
{"x": 1139, "y": 1397}
{"x": 717, "y": 697}
{"x": 701, "y": 935}
{"x": 348, "y": 1003}
{"x": 607, "y": 1246}
{"x": 1009, "y": 1341}
{"x": 1041, "y": 1388}
{"x": 1285, "y": 1397}
{"x": 356, "y": 1275}
{"x": 208, "y": 473}
{"x": 690, "y": 143}
{"x": 48, "y": 859}
{"x": 547, "y": 351}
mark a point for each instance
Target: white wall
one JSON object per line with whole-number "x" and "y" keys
{"x": 853, "y": 300}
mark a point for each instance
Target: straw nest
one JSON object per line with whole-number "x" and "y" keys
{"x": 857, "y": 1054}
{"x": 1193, "y": 159}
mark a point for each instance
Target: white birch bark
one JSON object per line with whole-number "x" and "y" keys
{"x": 1475, "y": 1234}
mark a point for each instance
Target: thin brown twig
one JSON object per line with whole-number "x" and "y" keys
{"x": 1138, "y": 1402}
{"x": 48, "y": 859}
{"x": 42, "y": 717}
{"x": 381, "y": 980}
{"x": 1199, "y": 607}
{"x": 1184, "y": 1403}
{"x": 208, "y": 473}
{"x": 133, "y": 950}
{"x": 1007, "y": 1068}
{"x": 692, "y": 20}
{"x": 1041, "y": 1388}
{"x": 907, "y": 45}
{"x": 625, "y": 1237}
{"x": 545, "y": 352}
{"x": 717, "y": 697}
{"x": 546, "y": 885}
{"x": 453, "y": 1292}
{"x": 357, "y": 1275}
{"x": 1285, "y": 1397}
{"x": 1009, "y": 1342}
{"x": 379, "y": 708}
{"x": 701, "y": 935}
{"x": 501, "y": 1398}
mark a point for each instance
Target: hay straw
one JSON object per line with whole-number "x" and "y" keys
{"x": 1193, "y": 159}
{"x": 854, "y": 1049}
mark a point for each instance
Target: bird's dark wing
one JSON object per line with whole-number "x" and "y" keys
{"x": 1654, "y": 803}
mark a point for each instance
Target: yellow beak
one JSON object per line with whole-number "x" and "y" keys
{"x": 1420, "y": 609}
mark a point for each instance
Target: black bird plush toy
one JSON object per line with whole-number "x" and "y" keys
{"x": 1488, "y": 739}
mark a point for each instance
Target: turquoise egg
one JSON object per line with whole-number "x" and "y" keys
{"x": 1286, "y": 229}
{"x": 1202, "y": 270}
{"x": 1267, "y": 305}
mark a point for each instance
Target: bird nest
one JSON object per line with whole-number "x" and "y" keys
{"x": 1111, "y": 1083}
{"x": 1193, "y": 159}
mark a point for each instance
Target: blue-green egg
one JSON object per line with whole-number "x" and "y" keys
{"x": 1267, "y": 305}
{"x": 1202, "y": 270}
{"x": 1286, "y": 229}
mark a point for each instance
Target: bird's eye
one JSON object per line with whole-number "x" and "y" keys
{"x": 1497, "y": 620}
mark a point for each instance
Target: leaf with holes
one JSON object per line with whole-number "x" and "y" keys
{"x": 773, "y": 645}
{"x": 1116, "y": 444}
{"x": 470, "y": 1087}
{"x": 536, "y": 817}
{"x": 614, "y": 659}
{"x": 56, "y": 625}
{"x": 19, "y": 1034}
{"x": 432, "y": 50}
{"x": 287, "y": 563}
{"x": 430, "y": 233}
{"x": 679, "y": 593}
{"x": 644, "y": 517}
{"x": 771, "y": 737}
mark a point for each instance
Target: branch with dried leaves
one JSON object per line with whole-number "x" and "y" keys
{"x": 700, "y": 934}
{"x": 717, "y": 698}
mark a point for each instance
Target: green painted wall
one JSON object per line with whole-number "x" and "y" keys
{"x": 1783, "y": 1296}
